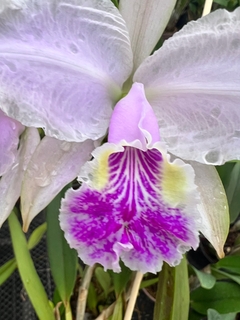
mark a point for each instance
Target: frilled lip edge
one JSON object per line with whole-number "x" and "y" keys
{"x": 134, "y": 205}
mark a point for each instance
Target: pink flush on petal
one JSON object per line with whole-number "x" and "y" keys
{"x": 134, "y": 204}
{"x": 10, "y": 131}
{"x": 131, "y": 123}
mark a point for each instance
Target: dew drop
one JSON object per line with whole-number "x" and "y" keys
{"x": 237, "y": 134}
{"x": 81, "y": 37}
{"x": 215, "y": 112}
{"x": 213, "y": 157}
{"x": 73, "y": 48}
{"x": 43, "y": 181}
{"x": 65, "y": 146}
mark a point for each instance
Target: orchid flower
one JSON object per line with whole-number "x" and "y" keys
{"x": 71, "y": 67}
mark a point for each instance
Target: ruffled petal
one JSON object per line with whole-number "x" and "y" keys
{"x": 10, "y": 131}
{"x": 133, "y": 118}
{"x": 146, "y": 21}
{"x": 193, "y": 84}
{"x": 54, "y": 164}
{"x": 62, "y": 65}
{"x": 133, "y": 205}
{"x": 11, "y": 182}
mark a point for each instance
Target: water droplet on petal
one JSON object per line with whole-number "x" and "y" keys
{"x": 73, "y": 48}
{"x": 213, "y": 157}
{"x": 43, "y": 181}
{"x": 65, "y": 146}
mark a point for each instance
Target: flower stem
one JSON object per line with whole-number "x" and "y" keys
{"x": 207, "y": 7}
{"x": 83, "y": 292}
{"x": 133, "y": 296}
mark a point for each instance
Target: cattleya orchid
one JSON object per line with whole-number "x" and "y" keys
{"x": 77, "y": 67}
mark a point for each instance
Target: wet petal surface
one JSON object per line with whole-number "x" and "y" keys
{"x": 62, "y": 65}
{"x": 192, "y": 82}
{"x": 128, "y": 209}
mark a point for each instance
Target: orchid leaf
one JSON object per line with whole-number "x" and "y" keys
{"x": 214, "y": 315}
{"x": 233, "y": 191}
{"x": 206, "y": 280}
{"x": 63, "y": 260}
{"x": 192, "y": 82}
{"x": 27, "y": 271}
{"x": 225, "y": 275}
{"x": 7, "y": 269}
{"x": 121, "y": 279}
{"x": 230, "y": 263}
{"x": 62, "y": 65}
{"x": 147, "y": 283}
{"x": 44, "y": 177}
{"x": 223, "y": 297}
{"x": 118, "y": 310}
{"x": 92, "y": 298}
{"x": 172, "y": 299}
{"x": 104, "y": 279}
{"x": 36, "y": 236}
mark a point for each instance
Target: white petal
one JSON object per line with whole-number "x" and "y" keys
{"x": 54, "y": 164}
{"x": 62, "y": 65}
{"x": 146, "y": 21}
{"x": 10, "y": 130}
{"x": 10, "y": 183}
{"x": 193, "y": 84}
{"x": 213, "y": 206}
{"x": 13, "y": 4}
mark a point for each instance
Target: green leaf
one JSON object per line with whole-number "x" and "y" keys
{"x": 231, "y": 263}
{"x": 233, "y": 191}
{"x": 27, "y": 271}
{"x": 92, "y": 299}
{"x": 206, "y": 280}
{"x": 214, "y": 315}
{"x": 223, "y": 297}
{"x": 63, "y": 260}
{"x": 148, "y": 283}
{"x": 172, "y": 301}
{"x": 225, "y": 275}
{"x": 223, "y": 3}
{"x": 7, "y": 269}
{"x": 121, "y": 279}
{"x": 104, "y": 280}
{"x": 118, "y": 310}
{"x": 36, "y": 236}
{"x": 115, "y": 2}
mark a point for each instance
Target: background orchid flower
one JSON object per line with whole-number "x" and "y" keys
{"x": 64, "y": 64}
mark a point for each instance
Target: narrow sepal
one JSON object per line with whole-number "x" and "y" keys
{"x": 11, "y": 181}
{"x": 146, "y": 21}
{"x": 54, "y": 164}
{"x": 213, "y": 206}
